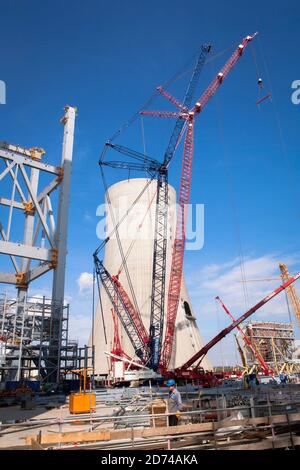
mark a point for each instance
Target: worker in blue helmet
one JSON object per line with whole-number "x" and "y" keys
{"x": 174, "y": 403}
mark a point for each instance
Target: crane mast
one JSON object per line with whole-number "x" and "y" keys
{"x": 149, "y": 347}
{"x": 161, "y": 219}
{"x": 184, "y": 195}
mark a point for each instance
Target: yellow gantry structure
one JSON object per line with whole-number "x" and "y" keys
{"x": 291, "y": 292}
{"x": 242, "y": 353}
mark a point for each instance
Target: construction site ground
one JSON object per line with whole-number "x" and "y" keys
{"x": 16, "y": 439}
{"x": 223, "y": 417}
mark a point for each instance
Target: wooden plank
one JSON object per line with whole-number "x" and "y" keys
{"x": 125, "y": 433}
{"x": 35, "y": 445}
{"x": 180, "y": 429}
{"x": 82, "y": 436}
{"x": 203, "y": 427}
{"x": 106, "y": 435}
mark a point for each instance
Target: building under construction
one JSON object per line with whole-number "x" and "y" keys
{"x": 34, "y": 340}
{"x": 25, "y": 342}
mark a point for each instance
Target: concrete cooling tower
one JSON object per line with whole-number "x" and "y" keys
{"x": 136, "y": 234}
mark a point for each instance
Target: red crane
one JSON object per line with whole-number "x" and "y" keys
{"x": 203, "y": 351}
{"x": 256, "y": 353}
{"x": 129, "y": 316}
{"x": 117, "y": 349}
{"x": 133, "y": 313}
{"x": 184, "y": 191}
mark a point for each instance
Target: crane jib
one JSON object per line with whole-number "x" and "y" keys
{"x": 231, "y": 327}
{"x": 184, "y": 192}
{"x": 161, "y": 221}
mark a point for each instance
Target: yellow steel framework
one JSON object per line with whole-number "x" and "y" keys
{"x": 291, "y": 292}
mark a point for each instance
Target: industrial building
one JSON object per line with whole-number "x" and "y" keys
{"x": 275, "y": 342}
{"x": 34, "y": 331}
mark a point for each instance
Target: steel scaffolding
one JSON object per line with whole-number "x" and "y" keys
{"x": 274, "y": 341}
{"x": 33, "y": 241}
{"x": 25, "y": 340}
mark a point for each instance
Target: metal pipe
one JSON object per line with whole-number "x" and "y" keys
{"x": 87, "y": 419}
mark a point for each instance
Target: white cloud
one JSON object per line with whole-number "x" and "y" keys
{"x": 88, "y": 217}
{"x": 85, "y": 282}
{"x": 80, "y": 328}
{"x": 38, "y": 298}
{"x": 80, "y": 320}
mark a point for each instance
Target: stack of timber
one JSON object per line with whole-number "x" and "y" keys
{"x": 158, "y": 407}
{"x": 269, "y": 432}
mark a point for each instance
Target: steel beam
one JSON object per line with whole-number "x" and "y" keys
{"x": 36, "y": 204}
{"x": 50, "y": 214}
{"x": 29, "y": 217}
{"x": 48, "y": 189}
{"x": 13, "y": 259}
{"x": 7, "y": 170}
{"x": 17, "y": 158}
{"x": 7, "y": 278}
{"x": 27, "y": 239}
{"x": 61, "y": 233}
{"x": 25, "y": 251}
{"x": 9, "y": 202}
{"x": 37, "y": 271}
{"x": 60, "y": 242}
{"x": 17, "y": 184}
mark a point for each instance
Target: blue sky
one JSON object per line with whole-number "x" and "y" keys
{"x": 106, "y": 58}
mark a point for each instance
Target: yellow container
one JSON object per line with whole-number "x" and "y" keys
{"x": 82, "y": 402}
